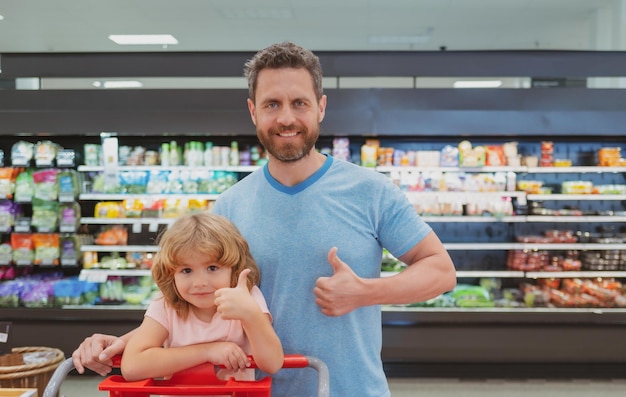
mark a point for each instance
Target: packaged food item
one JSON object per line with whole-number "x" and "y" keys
{"x": 69, "y": 217}
{"x": 369, "y": 153}
{"x": 47, "y": 249}
{"x": 23, "y": 250}
{"x": 609, "y": 156}
{"x": 67, "y": 182}
{"x": 471, "y": 156}
{"x": 45, "y": 153}
{"x": 45, "y": 216}
{"x": 92, "y": 154}
{"x": 109, "y": 209}
{"x": 449, "y": 156}
{"x": 576, "y": 187}
{"x": 112, "y": 235}
{"x": 24, "y": 187}
{"x": 22, "y": 153}
{"x": 45, "y": 185}
{"x": 495, "y": 156}
{"x": 132, "y": 208}
{"x": 562, "y": 163}
{"x": 547, "y": 152}
{"x": 8, "y": 176}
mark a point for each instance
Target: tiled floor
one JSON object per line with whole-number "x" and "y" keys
{"x": 87, "y": 386}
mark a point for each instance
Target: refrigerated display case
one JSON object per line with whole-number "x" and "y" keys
{"x": 579, "y": 121}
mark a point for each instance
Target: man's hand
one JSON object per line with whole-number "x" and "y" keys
{"x": 95, "y": 353}
{"x": 342, "y": 292}
{"x": 236, "y": 303}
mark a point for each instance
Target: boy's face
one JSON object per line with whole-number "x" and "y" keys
{"x": 286, "y": 112}
{"x": 197, "y": 278}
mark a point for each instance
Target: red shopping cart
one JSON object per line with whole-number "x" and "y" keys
{"x": 199, "y": 380}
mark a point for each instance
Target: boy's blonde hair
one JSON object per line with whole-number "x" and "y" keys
{"x": 210, "y": 234}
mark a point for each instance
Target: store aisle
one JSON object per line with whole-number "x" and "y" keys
{"x": 87, "y": 386}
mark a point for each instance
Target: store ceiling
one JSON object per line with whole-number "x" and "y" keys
{"x": 248, "y": 25}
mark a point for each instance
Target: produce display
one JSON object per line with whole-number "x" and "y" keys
{"x": 40, "y": 214}
{"x": 555, "y": 293}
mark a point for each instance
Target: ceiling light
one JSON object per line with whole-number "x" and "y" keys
{"x": 143, "y": 39}
{"x": 118, "y": 84}
{"x": 1, "y": 17}
{"x": 477, "y": 83}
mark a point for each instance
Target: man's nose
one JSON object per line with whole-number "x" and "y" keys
{"x": 286, "y": 116}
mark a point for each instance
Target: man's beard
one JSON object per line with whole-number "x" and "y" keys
{"x": 288, "y": 153}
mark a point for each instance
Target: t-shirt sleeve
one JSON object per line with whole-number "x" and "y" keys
{"x": 400, "y": 228}
{"x": 256, "y": 293}
{"x": 157, "y": 311}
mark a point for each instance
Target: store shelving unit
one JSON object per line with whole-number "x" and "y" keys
{"x": 498, "y": 336}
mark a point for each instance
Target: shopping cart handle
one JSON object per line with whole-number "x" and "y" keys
{"x": 291, "y": 361}
{"x": 117, "y": 361}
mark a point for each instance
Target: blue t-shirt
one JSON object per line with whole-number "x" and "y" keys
{"x": 290, "y": 231}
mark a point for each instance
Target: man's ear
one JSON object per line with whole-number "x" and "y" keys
{"x": 251, "y": 109}
{"x": 322, "y": 108}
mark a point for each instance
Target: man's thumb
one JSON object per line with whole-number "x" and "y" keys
{"x": 242, "y": 281}
{"x": 334, "y": 260}
{"x": 117, "y": 347}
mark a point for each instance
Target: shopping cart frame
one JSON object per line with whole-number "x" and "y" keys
{"x": 291, "y": 361}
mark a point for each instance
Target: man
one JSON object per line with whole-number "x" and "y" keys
{"x": 317, "y": 226}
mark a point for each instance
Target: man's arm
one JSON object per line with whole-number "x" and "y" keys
{"x": 430, "y": 272}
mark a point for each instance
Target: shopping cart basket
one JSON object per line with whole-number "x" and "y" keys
{"x": 199, "y": 380}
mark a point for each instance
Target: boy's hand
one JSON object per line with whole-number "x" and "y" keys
{"x": 235, "y": 303}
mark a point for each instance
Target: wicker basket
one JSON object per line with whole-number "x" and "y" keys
{"x": 14, "y": 373}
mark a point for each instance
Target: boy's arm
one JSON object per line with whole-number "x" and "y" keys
{"x": 237, "y": 303}
{"x": 145, "y": 357}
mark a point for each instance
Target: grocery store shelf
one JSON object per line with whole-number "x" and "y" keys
{"x": 449, "y": 246}
{"x": 407, "y": 316}
{"x": 532, "y": 246}
{"x": 590, "y": 197}
{"x": 530, "y": 275}
{"x": 119, "y": 248}
{"x": 523, "y": 218}
{"x": 490, "y": 273}
{"x": 468, "y": 218}
{"x": 127, "y": 196}
{"x": 463, "y": 196}
{"x": 451, "y": 169}
{"x": 530, "y": 170}
{"x": 572, "y": 170}
{"x": 581, "y": 219}
{"x": 127, "y": 221}
{"x": 101, "y": 275}
{"x": 583, "y": 274}
{"x": 392, "y": 315}
{"x": 234, "y": 168}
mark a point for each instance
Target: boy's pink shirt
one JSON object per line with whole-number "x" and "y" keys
{"x": 193, "y": 330}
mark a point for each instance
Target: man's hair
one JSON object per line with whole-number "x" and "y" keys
{"x": 283, "y": 55}
{"x": 212, "y": 235}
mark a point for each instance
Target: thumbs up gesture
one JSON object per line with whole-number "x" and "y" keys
{"x": 236, "y": 303}
{"x": 342, "y": 292}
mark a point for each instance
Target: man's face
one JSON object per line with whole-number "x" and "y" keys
{"x": 286, "y": 113}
